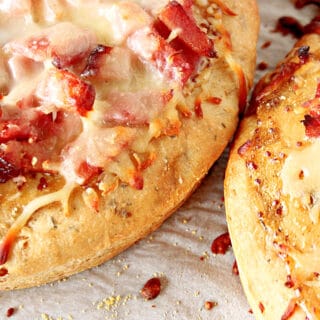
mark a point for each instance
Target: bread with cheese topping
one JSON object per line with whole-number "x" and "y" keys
{"x": 113, "y": 112}
{"x": 272, "y": 189}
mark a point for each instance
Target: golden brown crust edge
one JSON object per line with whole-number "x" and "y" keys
{"x": 262, "y": 265}
{"x": 53, "y": 246}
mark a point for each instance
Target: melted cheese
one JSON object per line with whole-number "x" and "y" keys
{"x": 301, "y": 178}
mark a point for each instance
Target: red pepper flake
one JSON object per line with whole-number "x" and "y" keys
{"x": 43, "y": 184}
{"x": 266, "y": 44}
{"x": 235, "y": 269}
{"x": 290, "y": 310}
{"x": 3, "y": 272}
{"x": 221, "y": 244}
{"x": 289, "y": 283}
{"x": 214, "y": 100}
{"x": 197, "y": 108}
{"x": 261, "y": 307}
{"x": 151, "y": 289}
{"x": 251, "y": 165}
{"x": 262, "y": 66}
{"x": 244, "y": 148}
{"x": 250, "y": 311}
{"x": 10, "y": 312}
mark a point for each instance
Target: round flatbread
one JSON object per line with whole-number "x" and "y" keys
{"x": 111, "y": 114}
{"x": 272, "y": 189}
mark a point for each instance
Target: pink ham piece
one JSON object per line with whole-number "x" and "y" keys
{"x": 75, "y": 44}
{"x": 109, "y": 63}
{"x": 61, "y": 89}
{"x": 135, "y": 108}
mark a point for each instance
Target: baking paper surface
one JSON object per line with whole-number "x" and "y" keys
{"x": 179, "y": 252}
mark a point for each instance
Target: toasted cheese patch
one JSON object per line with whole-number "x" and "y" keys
{"x": 301, "y": 178}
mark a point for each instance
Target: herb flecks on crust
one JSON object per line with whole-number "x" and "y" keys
{"x": 61, "y": 113}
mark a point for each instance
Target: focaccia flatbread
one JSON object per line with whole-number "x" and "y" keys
{"x": 111, "y": 114}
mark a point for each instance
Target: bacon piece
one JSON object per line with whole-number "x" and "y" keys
{"x": 62, "y": 89}
{"x": 135, "y": 108}
{"x": 175, "y": 18}
{"x": 7, "y": 170}
{"x": 174, "y": 64}
{"x": 33, "y": 137}
{"x": 313, "y": 26}
{"x": 66, "y": 50}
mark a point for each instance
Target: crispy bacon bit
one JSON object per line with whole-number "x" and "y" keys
{"x": 7, "y": 170}
{"x": 92, "y": 66}
{"x": 261, "y": 307}
{"x": 175, "y": 18}
{"x": 151, "y": 289}
{"x": 87, "y": 171}
{"x": 266, "y": 44}
{"x": 221, "y": 244}
{"x": 313, "y": 26}
{"x": 137, "y": 181}
{"x": 169, "y": 59}
{"x": 3, "y": 272}
{"x": 214, "y": 100}
{"x": 235, "y": 269}
{"x": 243, "y": 149}
{"x": 251, "y": 165}
{"x": 10, "y": 312}
{"x": 312, "y": 125}
{"x": 289, "y": 25}
{"x": 43, "y": 184}
{"x": 262, "y": 66}
{"x": 289, "y": 283}
{"x": 290, "y": 310}
{"x": 301, "y": 3}
{"x": 198, "y": 109}
{"x": 64, "y": 89}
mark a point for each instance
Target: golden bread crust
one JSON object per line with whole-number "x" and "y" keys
{"x": 53, "y": 245}
{"x": 273, "y": 224}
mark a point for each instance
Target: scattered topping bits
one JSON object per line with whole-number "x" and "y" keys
{"x": 301, "y": 3}
{"x": 10, "y": 312}
{"x": 289, "y": 25}
{"x": 235, "y": 269}
{"x": 221, "y": 244}
{"x": 151, "y": 289}
{"x": 3, "y": 272}
{"x": 289, "y": 283}
{"x": 261, "y": 307}
{"x": 197, "y": 108}
{"x": 251, "y": 165}
{"x": 262, "y": 66}
{"x": 290, "y": 310}
{"x": 266, "y": 44}
{"x": 43, "y": 184}
{"x": 208, "y": 305}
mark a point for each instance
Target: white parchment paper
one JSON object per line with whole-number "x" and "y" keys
{"x": 173, "y": 252}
